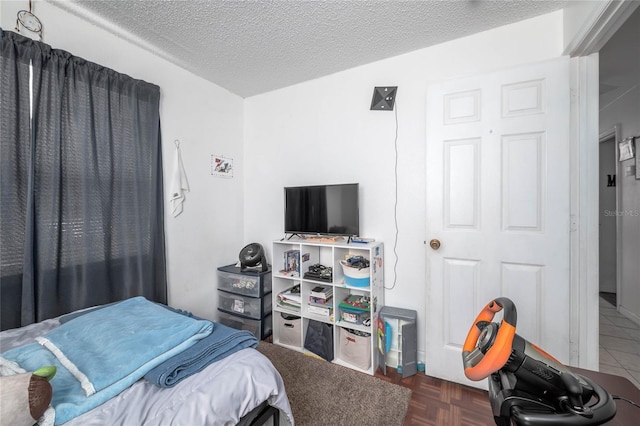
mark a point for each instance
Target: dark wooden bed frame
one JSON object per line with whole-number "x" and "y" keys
{"x": 260, "y": 415}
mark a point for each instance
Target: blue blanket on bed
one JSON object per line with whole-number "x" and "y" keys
{"x": 222, "y": 342}
{"x": 100, "y": 354}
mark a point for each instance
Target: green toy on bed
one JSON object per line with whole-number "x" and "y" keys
{"x": 26, "y": 396}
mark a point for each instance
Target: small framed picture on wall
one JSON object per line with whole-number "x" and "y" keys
{"x": 626, "y": 149}
{"x": 221, "y": 166}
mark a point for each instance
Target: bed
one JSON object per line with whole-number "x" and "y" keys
{"x": 241, "y": 388}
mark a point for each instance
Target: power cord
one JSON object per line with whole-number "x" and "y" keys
{"x": 622, "y": 398}
{"x": 395, "y": 205}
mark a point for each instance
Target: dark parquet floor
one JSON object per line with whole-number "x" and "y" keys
{"x": 441, "y": 403}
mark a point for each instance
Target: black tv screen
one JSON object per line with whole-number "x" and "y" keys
{"x": 322, "y": 209}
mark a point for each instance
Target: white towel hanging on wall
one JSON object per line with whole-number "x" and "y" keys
{"x": 179, "y": 184}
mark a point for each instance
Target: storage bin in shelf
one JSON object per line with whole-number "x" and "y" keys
{"x": 318, "y": 339}
{"x": 354, "y": 307}
{"x": 358, "y": 268}
{"x": 355, "y": 317}
{"x": 288, "y": 330}
{"x": 354, "y": 348}
{"x": 355, "y": 276}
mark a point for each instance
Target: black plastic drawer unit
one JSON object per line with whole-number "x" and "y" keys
{"x": 244, "y": 300}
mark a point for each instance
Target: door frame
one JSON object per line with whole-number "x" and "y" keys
{"x": 585, "y": 114}
{"x": 584, "y": 176}
{"x": 614, "y": 133}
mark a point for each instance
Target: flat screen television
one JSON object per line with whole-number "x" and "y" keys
{"x": 322, "y": 209}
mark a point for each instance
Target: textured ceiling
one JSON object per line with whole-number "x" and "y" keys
{"x": 255, "y": 46}
{"x": 620, "y": 61}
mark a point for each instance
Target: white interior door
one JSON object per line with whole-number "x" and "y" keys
{"x": 498, "y": 202}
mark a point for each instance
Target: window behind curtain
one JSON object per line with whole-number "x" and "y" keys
{"x": 84, "y": 224}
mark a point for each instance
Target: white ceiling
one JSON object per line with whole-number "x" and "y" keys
{"x": 255, "y": 46}
{"x": 620, "y": 61}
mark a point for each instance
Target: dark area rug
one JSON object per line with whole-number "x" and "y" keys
{"x": 323, "y": 393}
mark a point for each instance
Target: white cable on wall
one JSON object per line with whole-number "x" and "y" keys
{"x": 395, "y": 204}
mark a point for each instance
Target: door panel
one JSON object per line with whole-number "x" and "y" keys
{"x": 498, "y": 200}
{"x": 524, "y": 282}
{"x": 461, "y": 292}
{"x": 522, "y": 181}
{"x": 461, "y": 183}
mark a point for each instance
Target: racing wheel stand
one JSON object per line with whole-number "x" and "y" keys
{"x": 527, "y": 386}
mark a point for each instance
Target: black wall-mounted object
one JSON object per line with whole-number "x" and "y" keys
{"x": 611, "y": 180}
{"x": 384, "y": 98}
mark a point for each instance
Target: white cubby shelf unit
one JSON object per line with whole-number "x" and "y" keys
{"x": 291, "y": 323}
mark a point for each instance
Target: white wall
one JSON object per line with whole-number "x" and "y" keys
{"x": 322, "y": 131}
{"x": 627, "y": 112}
{"x": 607, "y": 204}
{"x": 624, "y": 110}
{"x": 205, "y": 118}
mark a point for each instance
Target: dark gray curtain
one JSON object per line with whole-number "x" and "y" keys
{"x": 81, "y": 184}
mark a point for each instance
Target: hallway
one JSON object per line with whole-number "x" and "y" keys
{"x": 619, "y": 344}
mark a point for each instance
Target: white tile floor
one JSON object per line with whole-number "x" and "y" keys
{"x": 619, "y": 344}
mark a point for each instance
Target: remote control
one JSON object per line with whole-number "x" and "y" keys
{"x": 362, "y": 240}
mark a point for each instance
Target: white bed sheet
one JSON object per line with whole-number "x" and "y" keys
{"x": 219, "y": 395}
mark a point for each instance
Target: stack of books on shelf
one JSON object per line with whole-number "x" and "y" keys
{"x": 321, "y": 301}
{"x": 290, "y": 298}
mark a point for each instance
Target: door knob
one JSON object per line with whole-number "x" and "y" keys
{"x": 435, "y": 244}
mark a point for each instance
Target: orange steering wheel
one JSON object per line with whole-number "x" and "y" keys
{"x": 488, "y": 345}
